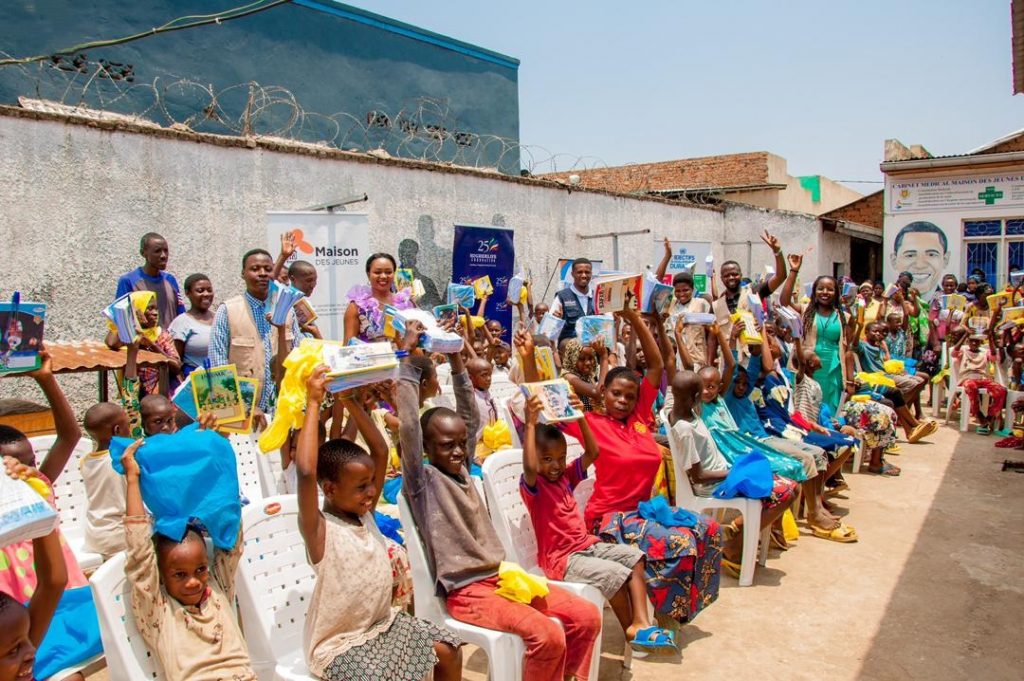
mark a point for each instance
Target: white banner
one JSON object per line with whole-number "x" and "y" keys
{"x": 337, "y": 244}
{"x": 955, "y": 193}
{"x": 686, "y": 255}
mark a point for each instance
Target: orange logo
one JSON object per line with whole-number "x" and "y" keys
{"x": 271, "y": 509}
{"x": 639, "y": 427}
{"x": 300, "y": 242}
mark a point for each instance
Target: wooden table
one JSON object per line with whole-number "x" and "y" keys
{"x": 78, "y": 357}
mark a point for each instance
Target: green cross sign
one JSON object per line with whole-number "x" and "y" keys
{"x": 990, "y": 195}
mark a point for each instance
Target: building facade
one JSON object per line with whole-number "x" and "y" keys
{"x": 955, "y": 214}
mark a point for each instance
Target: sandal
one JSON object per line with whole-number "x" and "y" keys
{"x": 932, "y": 427}
{"x": 653, "y": 639}
{"x": 833, "y": 491}
{"x": 778, "y": 539}
{"x": 842, "y": 534}
{"x": 730, "y": 568}
{"x": 886, "y": 469}
{"x": 894, "y": 449}
{"x": 917, "y": 433}
{"x": 983, "y": 430}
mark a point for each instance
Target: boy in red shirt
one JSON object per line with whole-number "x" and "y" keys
{"x": 565, "y": 550}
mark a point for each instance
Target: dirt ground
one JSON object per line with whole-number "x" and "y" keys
{"x": 933, "y": 590}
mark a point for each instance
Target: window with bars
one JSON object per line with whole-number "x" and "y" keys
{"x": 996, "y": 247}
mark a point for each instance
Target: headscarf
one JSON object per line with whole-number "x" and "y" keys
{"x": 140, "y": 302}
{"x": 571, "y": 350}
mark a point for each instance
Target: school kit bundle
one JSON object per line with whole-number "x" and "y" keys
{"x": 282, "y": 299}
{"x": 24, "y": 514}
{"x": 597, "y": 328}
{"x": 434, "y": 338}
{"x": 217, "y": 390}
{"x": 351, "y": 366}
{"x": 122, "y": 315}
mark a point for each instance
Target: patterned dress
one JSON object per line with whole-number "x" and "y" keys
{"x": 371, "y": 312}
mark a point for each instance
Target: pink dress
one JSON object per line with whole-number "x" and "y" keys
{"x": 371, "y": 312}
{"x": 18, "y": 572}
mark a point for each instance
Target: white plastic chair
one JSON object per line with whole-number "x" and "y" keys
{"x": 274, "y": 586}
{"x": 957, "y": 393}
{"x": 247, "y": 461}
{"x": 504, "y": 651}
{"x": 502, "y": 390}
{"x": 128, "y": 658}
{"x": 512, "y": 523}
{"x": 69, "y": 493}
{"x": 750, "y": 509}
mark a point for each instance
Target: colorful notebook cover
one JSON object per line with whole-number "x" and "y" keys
{"x": 282, "y": 298}
{"x": 403, "y": 278}
{"x": 516, "y": 288}
{"x": 482, "y": 287}
{"x": 657, "y": 297}
{"x": 122, "y": 315}
{"x": 462, "y": 295}
{"x": 216, "y": 391}
{"x": 544, "y": 358}
{"x": 554, "y": 396}
{"x": 304, "y": 312}
{"x": 249, "y": 389}
{"x": 550, "y": 326}
{"x": 446, "y": 314}
{"x": 21, "y": 335}
{"x": 612, "y": 294}
{"x": 597, "y": 328}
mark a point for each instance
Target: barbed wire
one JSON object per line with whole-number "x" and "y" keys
{"x": 426, "y": 129}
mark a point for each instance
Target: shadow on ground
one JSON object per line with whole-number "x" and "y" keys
{"x": 957, "y": 609}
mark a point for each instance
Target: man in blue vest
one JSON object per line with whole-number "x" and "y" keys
{"x": 575, "y": 301}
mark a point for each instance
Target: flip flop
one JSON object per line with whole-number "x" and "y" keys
{"x": 983, "y": 430}
{"x": 839, "y": 488}
{"x": 730, "y": 568}
{"x": 653, "y": 639}
{"x": 887, "y": 469}
{"x": 917, "y": 433}
{"x": 894, "y": 449}
{"x": 932, "y": 427}
{"x": 778, "y": 540}
{"x": 841, "y": 534}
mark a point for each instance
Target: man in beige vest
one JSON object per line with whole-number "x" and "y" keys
{"x": 243, "y": 335}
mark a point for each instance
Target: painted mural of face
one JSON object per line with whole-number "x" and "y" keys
{"x": 923, "y": 253}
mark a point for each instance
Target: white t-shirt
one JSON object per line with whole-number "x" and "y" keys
{"x": 105, "y": 504}
{"x": 695, "y": 444}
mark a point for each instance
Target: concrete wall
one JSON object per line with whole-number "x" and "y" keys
{"x": 75, "y": 198}
{"x": 332, "y": 60}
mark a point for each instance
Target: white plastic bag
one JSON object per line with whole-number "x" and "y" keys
{"x": 24, "y": 514}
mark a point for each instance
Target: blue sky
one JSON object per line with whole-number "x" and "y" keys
{"x": 822, "y": 84}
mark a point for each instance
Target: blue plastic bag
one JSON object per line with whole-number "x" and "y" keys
{"x": 189, "y": 474}
{"x": 389, "y": 527}
{"x": 750, "y": 477}
{"x": 73, "y": 636}
{"x": 658, "y": 510}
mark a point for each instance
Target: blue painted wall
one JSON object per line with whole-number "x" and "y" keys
{"x": 326, "y": 72}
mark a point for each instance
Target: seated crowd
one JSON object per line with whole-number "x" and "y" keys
{"x": 779, "y": 391}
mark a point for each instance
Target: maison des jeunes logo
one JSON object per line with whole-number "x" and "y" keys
{"x": 322, "y": 254}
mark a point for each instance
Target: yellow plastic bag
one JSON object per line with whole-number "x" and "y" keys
{"x": 291, "y": 400}
{"x": 894, "y": 366}
{"x": 789, "y": 528}
{"x": 876, "y": 380}
{"x": 518, "y": 585}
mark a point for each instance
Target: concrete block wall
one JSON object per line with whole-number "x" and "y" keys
{"x": 74, "y": 200}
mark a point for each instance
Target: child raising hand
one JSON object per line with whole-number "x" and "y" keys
{"x": 186, "y": 619}
{"x": 352, "y": 630}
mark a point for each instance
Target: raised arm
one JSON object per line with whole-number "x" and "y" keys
{"x": 531, "y": 461}
{"x": 287, "y": 250}
{"x": 51, "y": 572}
{"x": 374, "y": 441}
{"x": 312, "y": 525}
{"x": 796, "y": 261}
{"x": 780, "y": 261}
{"x": 65, "y": 423}
{"x": 650, "y": 347}
{"x": 684, "y": 352}
{"x": 408, "y": 397}
{"x": 523, "y": 342}
{"x": 728, "y": 360}
{"x": 767, "y": 360}
{"x": 663, "y": 265}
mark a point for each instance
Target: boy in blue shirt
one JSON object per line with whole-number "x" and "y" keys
{"x": 153, "y": 276}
